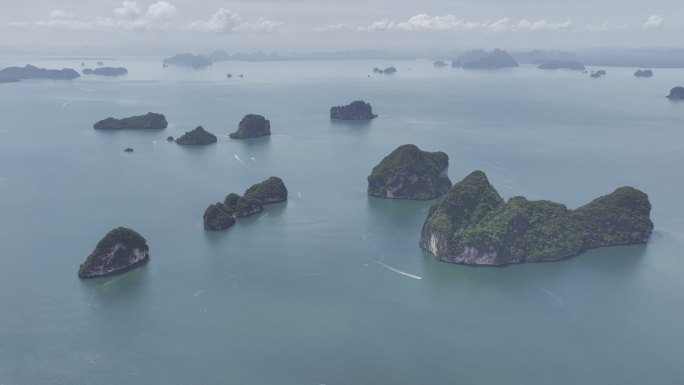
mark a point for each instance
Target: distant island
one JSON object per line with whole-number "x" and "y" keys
{"x": 122, "y": 249}
{"x": 473, "y": 225}
{"x": 252, "y": 126}
{"x": 197, "y": 137}
{"x": 561, "y": 64}
{"x": 598, "y": 74}
{"x": 643, "y": 73}
{"x": 387, "y": 71}
{"x": 149, "y": 121}
{"x": 409, "y": 173}
{"x": 356, "y": 110}
{"x": 439, "y": 64}
{"x": 106, "y": 71}
{"x": 188, "y": 60}
{"x": 496, "y": 59}
{"x": 221, "y": 215}
{"x": 677, "y": 93}
{"x": 15, "y": 74}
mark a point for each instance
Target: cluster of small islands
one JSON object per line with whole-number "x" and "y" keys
{"x": 469, "y": 223}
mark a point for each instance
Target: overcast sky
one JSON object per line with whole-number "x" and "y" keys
{"x": 305, "y": 25}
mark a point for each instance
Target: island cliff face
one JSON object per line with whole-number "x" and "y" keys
{"x": 13, "y": 74}
{"x": 252, "y": 126}
{"x": 472, "y": 224}
{"x": 494, "y": 60}
{"x": 220, "y": 216}
{"x": 356, "y": 110}
{"x": 197, "y": 137}
{"x": 676, "y": 93}
{"x": 149, "y": 121}
{"x": 409, "y": 173}
{"x": 120, "y": 250}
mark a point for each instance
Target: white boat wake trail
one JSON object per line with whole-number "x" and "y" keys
{"x": 253, "y": 160}
{"x": 552, "y": 295}
{"x": 238, "y": 158}
{"x": 398, "y": 271}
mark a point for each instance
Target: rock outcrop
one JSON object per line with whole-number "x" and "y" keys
{"x": 439, "y": 63}
{"x": 496, "y": 59}
{"x": 598, "y": 74}
{"x": 252, "y": 126}
{"x": 197, "y": 137}
{"x": 356, "y": 110}
{"x": 149, "y": 121}
{"x": 13, "y": 74}
{"x": 220, "y": 216}
{"x": 643, "y": 73}
{"x": 409, "y": 173}
{"x": 676, "y": 93}
{"x": 387, "y": 71}
{"x": 472, "y": 224}
{"x": 106, "y": 71}
{"x": 120, "y": 250}
{"x": 188, "y": 60}
{"x": 561, "y": 64}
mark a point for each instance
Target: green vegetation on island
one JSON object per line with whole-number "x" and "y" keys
{"x": 197, "y": 137}
{"x": 149, "y": 121}
{"x": 120, "y": 250}
{"x": 356, "y": 110}
{"x": 252, "y": 126}
{"x": 220, "y": 216}
{"x": 472, "y": 224}
{"x": 15, "y": 74}
{"x": 409, "y": 173}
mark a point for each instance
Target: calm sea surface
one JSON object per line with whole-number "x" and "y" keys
{"x": 331, "y": 287}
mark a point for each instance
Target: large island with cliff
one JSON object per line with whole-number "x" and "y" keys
{"x": 122, "y": 249}
{"x": 473, "y": 225}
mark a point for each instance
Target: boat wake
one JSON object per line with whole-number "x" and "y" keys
{"x": 238, "y": 158}
{"x": 388, "y": 267}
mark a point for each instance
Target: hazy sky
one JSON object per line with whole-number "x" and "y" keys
{"x": 283, "y": 25}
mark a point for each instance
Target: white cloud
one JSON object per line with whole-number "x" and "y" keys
{"x": 654, "y": 21}
{"x": 59, "y": 14}
{"x": 128, "y": 9}
{"x": 425, "y": 22}
{"x": 160, "y": 9}
{"x": 227, "y": 21}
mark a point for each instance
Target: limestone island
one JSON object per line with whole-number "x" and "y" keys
{"x": 356, "y": 110}
{"x": 439, "y": 64}
{"x": 122, "y": 249}
{"x": 598, "y": 74}
{"x": 561, "y": 64}
{"x": 494, "y": 60}
{"x": 106, "y": 71}
{"x": 14, "y": 74}
{"x": 643, "y": 73}
{"x": 221, "y": 215}
{"x": 409, "y": 173}
{"x": 473, "y": 225}
{"x": 197, "y": 137}
{"x": 128, "y": 149}
{"x": 252, "y": 126}
{"x": 387, "y": 71}
{"x": 676, "y": 93}
{"x": 149, "y": 121}
{"x": 188, "y": 60}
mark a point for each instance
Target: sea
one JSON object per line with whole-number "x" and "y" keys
{"x": 331, "y": 287}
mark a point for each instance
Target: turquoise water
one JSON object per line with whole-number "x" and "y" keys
{"x": 324, "y": 289}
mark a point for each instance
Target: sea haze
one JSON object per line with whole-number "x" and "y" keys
{"x": 331, "y": 287}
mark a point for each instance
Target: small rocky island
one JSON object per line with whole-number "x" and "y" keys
{"x": 122, "y": 249}
{"x": 561, "y": 64}
{"x": 221, "y": 215}
{"x": 387, "y": 71}
{"x": 409, "y": 173}
{"x": 473, "y": 225}
{"x": 494, "y": 60}
{"x": 643, "y": 73}
{"x": 149, "y": 121}
{"x": 15, "y": 74}
{"x": 252, "y": 126}
{"x": 598, "y": 74}
{"x": 197, "y": 137}
{"x": 188, "y": 60}
{"x": 356, "y": 110}
{"x": 106, "y": 71}
{"x": 439, "y": 63}
{"x": 677, "y": 93}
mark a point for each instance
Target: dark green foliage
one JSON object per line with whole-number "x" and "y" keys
{"x": 197, "y": 137}
{"x": 218, "y": 216}
{"x": 356, "y": 110}
{"x": 252, "y": 126}
{"x": 472, "y": 224}
{"x": 128, "y": 239}
{"x": 231, "y": 200}
{"x": 247, "y": 206}
{"x": 409, "y": 173}
{"x": 150, "y": 120}
{"x": 272, "y": 190}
